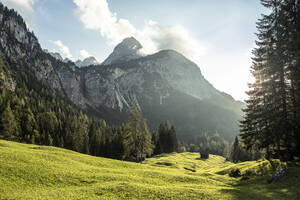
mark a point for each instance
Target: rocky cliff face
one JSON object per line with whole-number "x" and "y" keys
{"x": 166, "y": 85}
{"x": 21, "y": 49}
{"x": 152, "y": 78}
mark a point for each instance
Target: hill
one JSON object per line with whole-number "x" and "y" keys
{"x": 40, "y": 172}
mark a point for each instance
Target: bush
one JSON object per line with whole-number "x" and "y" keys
{"x": 278, "y": 175}
{"x": 204, "y": 155}
{"x": 249, "y": 173}
{"x": 235, "y": 173}
{"x": 245, "y": 178}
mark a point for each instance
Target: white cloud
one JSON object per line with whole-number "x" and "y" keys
{"x": 63, "y": 49}
{"x": 96, "y": 15}
{"x": 84, "y": 53}
{"x": 23, "y": 7}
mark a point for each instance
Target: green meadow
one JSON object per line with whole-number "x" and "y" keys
{"x": 41, "y": 172}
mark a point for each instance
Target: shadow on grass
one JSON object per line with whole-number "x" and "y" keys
{"x": 189, "y": 169}
{"x": 37, "y": 148}
{"x": 159, "y": 156}
{"x": 4, "y": 145}
{"x": 203, "y": 159}
{"x": 164, "y": 163}
{"x": 257, "y": 188}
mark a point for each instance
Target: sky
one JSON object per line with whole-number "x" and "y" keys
{"x": 218, "y": 35}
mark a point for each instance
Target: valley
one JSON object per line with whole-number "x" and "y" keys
{"x": 41, "y": 172}
{"x": 94, "y": 107}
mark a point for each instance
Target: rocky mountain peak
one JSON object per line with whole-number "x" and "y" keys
{"x": 87, "y": 62}
{"x": 129, "y": 44}
{"x": 128, "y": 49}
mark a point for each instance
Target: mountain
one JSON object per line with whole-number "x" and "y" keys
{"x": 128, "y": 49}
{"x": 55, "y": 55}
{"x": 166, "y": 85}
{"x": 87, "y": 62}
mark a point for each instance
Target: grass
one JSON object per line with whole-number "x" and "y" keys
{"x": 39, "y": 172}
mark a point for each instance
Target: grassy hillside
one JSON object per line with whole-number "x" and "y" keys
{"x": 39, "y": 172}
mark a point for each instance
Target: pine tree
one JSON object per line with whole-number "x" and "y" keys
{"x": 236, "y": 151}
{"x": 292, "y": 11}
{"x": 137, "y": 136}
{"x": 156, "y": 142}
{"x": 28, "y": 125}
{"x": 8, "y": 127}
{"x": 146, "y": 146}
{"x": 48, "y": 124}
{"x": 165, "y": 140}
{"x": 271, "y": 121}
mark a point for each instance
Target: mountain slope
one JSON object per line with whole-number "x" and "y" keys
{"x": 6, "y": 81}
{"x": 166, "y": 85}
{"x": 40, "y": 172}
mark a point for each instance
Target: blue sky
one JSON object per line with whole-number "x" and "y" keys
{"x": 218, "y": 35}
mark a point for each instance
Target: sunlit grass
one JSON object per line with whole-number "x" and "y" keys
{"x": 38, "y": 172}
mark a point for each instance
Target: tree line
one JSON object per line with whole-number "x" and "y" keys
{"x": 272, "y": 117}
{"x": 210, "y": 143}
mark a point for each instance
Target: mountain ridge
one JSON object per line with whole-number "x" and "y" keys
{"x": 156, "y": 81}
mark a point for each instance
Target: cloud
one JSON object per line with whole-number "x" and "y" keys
{"x": 84, "y": 53}
{"x": 96, "y": 15}
{"x": 23, "y": 7}
{"x": 63, "y": 49}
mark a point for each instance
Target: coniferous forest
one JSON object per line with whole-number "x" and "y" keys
{"x": 272, "y": 116}
{"x": 34, "y": 114}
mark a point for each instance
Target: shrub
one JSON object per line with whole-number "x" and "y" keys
{"x": 204, "y": 155}
{"x": 244, "y": 178}
{"x": 235, "y": 173}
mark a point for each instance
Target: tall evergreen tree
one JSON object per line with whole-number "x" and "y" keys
{"x": 165, "y": 140}
{"x": 28, "y": 126}
{"x": 271, "y": 121}
{"x": 236, "y": 151}
{"x": 8, "y": 126}
{"x": 137, "y": 136}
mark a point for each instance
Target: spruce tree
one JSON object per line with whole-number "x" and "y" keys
{"x": 28, "y": 125}
{"x": 137, "y": 136}
{"x": 271, "y": 121}
{"x": 236, "y": 151}
{"x": 8, "y": 127}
